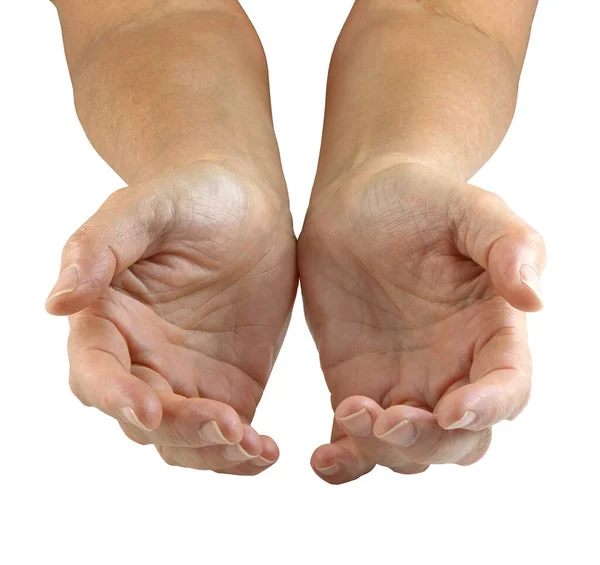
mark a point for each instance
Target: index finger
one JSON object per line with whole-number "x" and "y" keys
{"x": 500, "y": 384}
{"x": 100, "y": 373}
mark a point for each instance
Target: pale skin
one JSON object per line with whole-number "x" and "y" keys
{"x": 179, "y": 289}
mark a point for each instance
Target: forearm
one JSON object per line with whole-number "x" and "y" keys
{"x": 159, "y": 87}
{"x": 410, "y": 81}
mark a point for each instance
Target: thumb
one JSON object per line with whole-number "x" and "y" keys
{"x": 512, "y": 252}
{"x": 120, "y": 233}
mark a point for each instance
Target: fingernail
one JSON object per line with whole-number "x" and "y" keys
{"x": 261, "y": 461}
{"x": 67, "y": 282}
{"x": 132, "y": 418}
{"x": 468, "y": 418}
{"x": 236, "y": 453}
{"x": 403, "y": 434}
{"x": 331, "y": 470}
{"x": 211, "y": 433}
{"x": 358, "y": 424}
{"x": 531, "y": 278}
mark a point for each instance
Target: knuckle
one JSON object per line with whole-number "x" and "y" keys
{"x": 480, "y": 205}
{"x": 80, "y": 239}
{"x": 485, "y": 199}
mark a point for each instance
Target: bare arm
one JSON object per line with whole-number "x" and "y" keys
{"x": 174, "y": 96}
{"x": 159, "y": 84}
{"x": 416, "y": 282}
{"x": 431, "y": 81}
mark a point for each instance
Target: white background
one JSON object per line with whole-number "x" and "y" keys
{"x": 73, "y": 489}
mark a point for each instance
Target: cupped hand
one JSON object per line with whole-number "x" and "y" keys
{"x": 415, "y": 287}
{"x": 179, "y": 293}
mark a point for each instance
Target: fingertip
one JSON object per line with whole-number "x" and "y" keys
{"x": 354, "y": 404}
{"x": 522, "y": 294}
{"x": 464, "y": 421}
{"x": 73, "y": 301}
{"x": 269, "y": 454}
{"x": 65, "y": 305}
{"x": 216, "y": 422}
{"x": 251, "y": 441}
{"x": 334, "y": 474}
{"x": 400, "y": 425}
{"x": 148, "y": 407}
{"x": 270, "y": 449}
{"x": 458, "y": 410}
{"x": 329, "y": 462}
{"x": 337, "y": 463}
{"x": 230, "y": 424}
{"x": 329, "y": 471}
{"x": 323, "y": 457}
{"x": 233, "y": 433}
{"x": 515, "y": 268}
{"x": 493, "y": 395}
{"x": 468, "y": 410}
{"x": 340, "y": 472}
{"x": 531, "y": 282}
{"x": 68, "y": 281}
{"x": 90, "y": 269}
{"x": 357, "y": 424}
{"x": 355, "y": 415}
{"x": 145, "y": 414}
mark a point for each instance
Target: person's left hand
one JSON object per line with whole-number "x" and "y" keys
{"x": 415, "y": 286}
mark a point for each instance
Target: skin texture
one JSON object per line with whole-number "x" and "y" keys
{"x": 183, "y": 326}
{"x": 409, "y": 279}
{"x": 156, "y": 87}
{"x": 415, "y": 283}
{"x": 180, "y": 288}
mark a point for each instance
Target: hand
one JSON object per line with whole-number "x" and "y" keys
{"x": 415, "y": 286}
{"x": 180, "y": 291}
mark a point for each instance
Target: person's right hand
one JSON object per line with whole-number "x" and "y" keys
{"x": 179, "y": 293}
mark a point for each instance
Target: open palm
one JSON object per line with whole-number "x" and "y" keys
{"x": 180, "y": 292}
{"x": 415, "y": 286}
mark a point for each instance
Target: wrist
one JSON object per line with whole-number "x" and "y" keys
{"x": 372, "y": 161}
{"x": 354, "y": 176}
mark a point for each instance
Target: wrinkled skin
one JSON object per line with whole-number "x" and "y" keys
{"x": 190, "y": 281}
{"x": 401, "y": 274}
